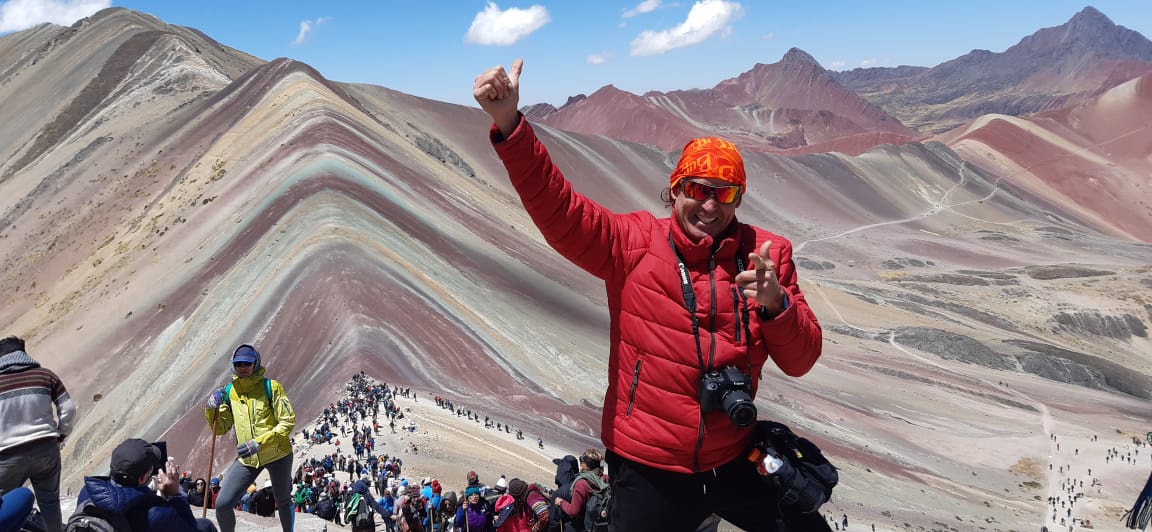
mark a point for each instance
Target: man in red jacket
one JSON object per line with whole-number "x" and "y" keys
{"x": 698, "y": 303}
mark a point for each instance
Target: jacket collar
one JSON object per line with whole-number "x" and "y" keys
{"x": 249, "y": 384}
{"x": 108, "y": 495}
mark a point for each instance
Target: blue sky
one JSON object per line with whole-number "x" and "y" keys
{"x": 434, "y": 48}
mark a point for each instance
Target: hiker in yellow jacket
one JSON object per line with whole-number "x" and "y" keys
{"x": 263, "y": 417}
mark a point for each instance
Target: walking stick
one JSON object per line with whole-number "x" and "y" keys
{"x": 211, "y": 458}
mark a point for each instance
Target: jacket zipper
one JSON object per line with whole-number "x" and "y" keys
{"x": 632, "y": 391}
{"x": 252, "y": 425}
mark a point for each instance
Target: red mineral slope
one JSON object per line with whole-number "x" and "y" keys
{"x": 1094, "y": 159}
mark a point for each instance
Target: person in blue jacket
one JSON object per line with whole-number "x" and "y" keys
{"x": 125, "y": 492}
{"x": 388, "y": 503}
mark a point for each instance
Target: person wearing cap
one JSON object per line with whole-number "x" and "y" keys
{"x": 326, "y": 508}
{"x": 213, "y": 492}
{"x": 263, "y": 501}
{"x": 125, "y": 491}
{"x": 38, "y": 415}
{"x": 688, "y": 294}
{"x": 567, "y": 468}
{"x": 431, "y": 504}
{"x": 474, "y": 514}
{"x": 493, "y": 493}
{"x": 258, "y": 409}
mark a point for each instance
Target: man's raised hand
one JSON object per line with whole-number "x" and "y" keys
{"x": 760, "y": 283}
{"x": 498, "y": 93}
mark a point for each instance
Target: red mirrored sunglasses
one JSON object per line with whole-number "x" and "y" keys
{"x": 727, "y": 194}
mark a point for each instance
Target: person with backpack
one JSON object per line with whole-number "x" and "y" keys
{"x": 699, "y": 303}
{"x": 475, "y": 514}
{"x": 566, "y": 470}
{"x": 122, "y": 501}
{"x": 523, "y": 509}
{"x": 259, "y": 410}
{"x": 325, "y": 508}
{"x": 589, "y": 493}
{"x": 360, "y": 507}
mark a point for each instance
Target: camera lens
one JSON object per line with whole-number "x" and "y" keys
{"x": 738, "y": 405}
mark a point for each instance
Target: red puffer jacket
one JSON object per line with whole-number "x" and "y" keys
{"x": 652, "y": 413}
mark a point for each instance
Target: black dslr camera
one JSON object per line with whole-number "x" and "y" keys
{"x": 729, "y": 390}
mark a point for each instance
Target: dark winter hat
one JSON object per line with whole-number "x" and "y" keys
{"x": 246, "y": 353}
{"x": 517, "y": 488}
{"x": 133, "y": 458}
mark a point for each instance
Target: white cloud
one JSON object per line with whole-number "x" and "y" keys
{"x": 502, "y": 28}
{"x": 647, "y": 6}
{"x": 869, "y": 63}
{"x": 306, "y": 27}
{"x": 707, "y": 18}
{"x": 838, "y": 65}
{"x": 16, "y": 15}
{"x": 600, "y": 58}
{"x": 768, "y": 37}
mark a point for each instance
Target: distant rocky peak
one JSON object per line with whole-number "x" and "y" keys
{"x": 798, "y": 57}
{"x": 1090, "y": 18}
{"x": 1088, "y": 31}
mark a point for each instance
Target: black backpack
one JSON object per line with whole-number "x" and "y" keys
{"x": 362, "y": 520}
{"x": 326, "y": 509}
{"x": 91, "y": 518}
{"x": 596, "y": 508}
{"x": 808, "y": 481}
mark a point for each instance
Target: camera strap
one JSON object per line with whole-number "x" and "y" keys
{"x": 690, "y": 306}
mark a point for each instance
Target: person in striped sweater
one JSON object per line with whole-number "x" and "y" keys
{"x": 32, "y": 432}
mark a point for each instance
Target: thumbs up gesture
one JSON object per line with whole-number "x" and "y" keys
{"x": 498, "y": 92}
{"x": 760, "y": 283}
